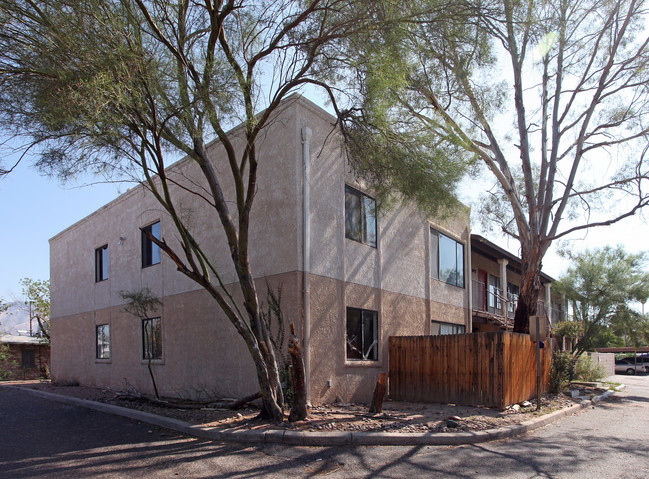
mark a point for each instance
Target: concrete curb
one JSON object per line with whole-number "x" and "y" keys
{"x": 334, "y": 438}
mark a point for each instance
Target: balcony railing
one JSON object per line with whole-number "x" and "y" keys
{"x": 489, "y": 299}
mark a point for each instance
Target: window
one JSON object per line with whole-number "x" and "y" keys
{"x": 151, "y": 338}
{"x": 447, "y": 259}
{"x": 150, "y": 250}
{"x": 28, "y": 359}
{"x": 103, "y": 341}
{"x": 494, "y": 294}
{"x": 362, "y": 335}
{"x": 438, "y": 328}
{"x": 512, "y": 298}
{"x": 101, "y": 263}
{"x": 360, "y": 217}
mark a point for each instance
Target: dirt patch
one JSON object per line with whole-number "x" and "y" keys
{"x": 400, "y": 417}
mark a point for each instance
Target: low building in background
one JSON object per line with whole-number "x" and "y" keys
{"x": 29, "y": 357}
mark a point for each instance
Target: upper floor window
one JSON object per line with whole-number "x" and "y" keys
{"x": 360, "y": 217}
{"x": 150, "y": 250}
{"x": 101, "y": 263}
{"x": 446, "y": 258}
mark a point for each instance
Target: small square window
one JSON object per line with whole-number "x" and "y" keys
{"x": 103, "y": 341}
{"x": 150, "y": 250}
{"x": 151, "y": 338}
{"x": 101, "y": 263}
{"x": 360, "y": 217}
{"x": 362, "y": 335}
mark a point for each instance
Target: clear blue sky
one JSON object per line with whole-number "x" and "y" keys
{"x": 35, "y": 208}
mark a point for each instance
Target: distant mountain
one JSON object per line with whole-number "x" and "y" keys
{"x": 16, "y": 319}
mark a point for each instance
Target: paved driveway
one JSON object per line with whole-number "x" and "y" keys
{"x": 42, "y": 438}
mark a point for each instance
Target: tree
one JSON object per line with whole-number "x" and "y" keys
{"x": 126, "y": 87}
{"x": 37, "y": 297}
{"x": 142, "y": 303}
{"x": 600, "y": 285}
{"x": 550, "y": 96}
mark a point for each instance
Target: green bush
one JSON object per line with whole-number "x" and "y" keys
{"x": 562, "y": 371}
{"x": 587, "y": 370}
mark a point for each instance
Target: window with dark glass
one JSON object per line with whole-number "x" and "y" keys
{"x": 28, "y": 359}
{"x": 152, "y": 338}
{"x": 362, "y": 335}
{"x": 103, "y": 341}
{"x": 150, "y": 250}
{"x": 101, "y": 263}
{"x": 360, "y": 217}
{"x": 446, "y": 259}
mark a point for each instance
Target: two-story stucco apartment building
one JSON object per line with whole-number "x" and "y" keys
{"x": 350, "y": 276}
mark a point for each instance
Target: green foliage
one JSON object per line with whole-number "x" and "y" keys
{"x": 519, "y": 87}
{"x": 4, "y": 359}
{"x": 587, "y": 370}
{"x": 562, "y": 371}
{"x": 141, "y": 303}
{"x": 3, "y": 306}
{"x": 601, "y": 284}
{"x": 569, "y": 329}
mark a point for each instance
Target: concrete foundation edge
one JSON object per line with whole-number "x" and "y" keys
{"x": 338, "y": 438}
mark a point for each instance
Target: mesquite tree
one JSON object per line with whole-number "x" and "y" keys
{"x": 127, "y": 86}
{"x": 551, "y": 97}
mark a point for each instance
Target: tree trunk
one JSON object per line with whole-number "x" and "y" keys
{"x": 298, "y": 411}
{"x": 529, "y": 288}
{"x": 379, "y": 394}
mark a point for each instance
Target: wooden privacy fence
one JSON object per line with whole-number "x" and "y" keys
{"x": 479, "y": 369}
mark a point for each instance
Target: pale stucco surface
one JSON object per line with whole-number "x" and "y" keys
{"x": 201, "y": 349}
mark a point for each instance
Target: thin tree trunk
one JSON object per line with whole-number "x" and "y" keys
{"x": 298, "y": 411}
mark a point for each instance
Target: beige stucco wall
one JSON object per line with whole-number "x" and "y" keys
{"x": 198, "y": 343}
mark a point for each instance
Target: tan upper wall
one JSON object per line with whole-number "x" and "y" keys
{"x": 399, "y": 264}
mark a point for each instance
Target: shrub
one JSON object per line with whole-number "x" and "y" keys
{"x": 587, "y": 370}
{"x": 562, "y": 371}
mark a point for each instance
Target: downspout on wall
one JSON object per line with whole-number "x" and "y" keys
{"x": 306, "y": 251}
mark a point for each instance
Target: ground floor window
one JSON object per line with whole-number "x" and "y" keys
{"x": 152, "y": 338}
{"x": 362, "y": 335}
{"x": 438, "y": 328}
{"x": 103, "y": 341}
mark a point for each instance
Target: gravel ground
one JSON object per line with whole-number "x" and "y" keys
{"x": 397, "y": 417}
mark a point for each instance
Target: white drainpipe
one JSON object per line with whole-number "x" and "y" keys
{"x": 306, "y": 249}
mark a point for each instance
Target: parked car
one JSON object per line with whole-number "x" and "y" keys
{"x": 628, "y": 366}
{"x": 644, "y": 360}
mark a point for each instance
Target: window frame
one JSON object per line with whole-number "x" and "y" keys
{"x": 372, "y": 349}
{"x": 494, "y": 294}
{"x": 442, "y": 324}
{"x": 436, "y": 238}
{"x": 151, "y": 253}
{"x": 102, "y": 348}
{"x": 156, "y": 345}
{"x": 361, "y": 233}
{"x": 101, "y": 263}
